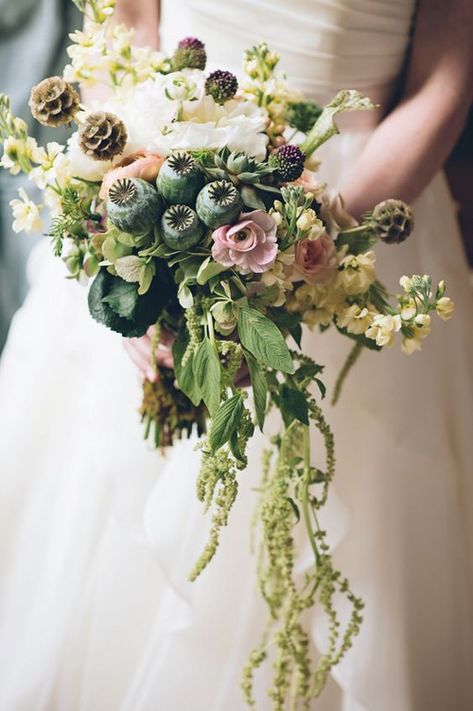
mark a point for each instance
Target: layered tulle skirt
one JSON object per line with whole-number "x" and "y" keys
{"x": 99, "y": 532}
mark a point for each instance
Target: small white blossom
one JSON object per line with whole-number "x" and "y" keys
{"x": 25, "y": 213}
{"x": 445, "y": 308}
{"x": 419, "y": 331}
{"x": 355, "y": 319}
{"x": 358, "y": 272}
{"x": 383, "y": 329}
{"x": 52, "y": 166}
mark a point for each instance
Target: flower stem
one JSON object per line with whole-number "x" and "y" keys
{"x": 347, "y": 366}
{"x": 305, "y": 495}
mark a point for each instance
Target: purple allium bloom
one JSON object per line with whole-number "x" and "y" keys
{"x": 221, "y": 85}
{"x": 289, "y": 162}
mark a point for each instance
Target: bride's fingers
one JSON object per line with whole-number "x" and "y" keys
{"x": 164, "y": 357}
{"x": 166, "y": 338}
{"x": 141, "y": 360}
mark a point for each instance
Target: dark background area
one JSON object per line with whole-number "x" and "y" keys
{"x": 459, "y": 170}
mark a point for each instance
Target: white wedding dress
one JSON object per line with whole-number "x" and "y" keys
{"x": 98, "y": 532}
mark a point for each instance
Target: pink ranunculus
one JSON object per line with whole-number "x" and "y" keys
{"x": 140, "y": 164}
{"x": 315, "y": 260}
{"x": 250, "y": 245}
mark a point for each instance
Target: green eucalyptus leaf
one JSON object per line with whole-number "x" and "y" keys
{"x": 207, "y": 373}
{"x": 260, "y": 388}
{"x": 226, "y": 421}
{"x": 264, "y": 340}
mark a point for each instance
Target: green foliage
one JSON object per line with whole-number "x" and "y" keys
{"x": 293, "y": 405}
{"x": 263, "y": 340}
{"x": 226, "y": 421}
{"x": 302, "y": 115}
{"x": 259, "y": 386}
{"x": 110, "y": 297}
{"x": 207, "y": 373}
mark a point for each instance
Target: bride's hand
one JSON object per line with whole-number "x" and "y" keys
{"x": 141, "y": 353}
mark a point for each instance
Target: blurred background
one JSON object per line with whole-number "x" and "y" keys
{"x": 33, "y": 38}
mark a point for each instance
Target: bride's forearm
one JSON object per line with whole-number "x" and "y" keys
{"x": 408, "y": 148}
{"x": 412, "y": 143}
{"x": 143, "y": 16}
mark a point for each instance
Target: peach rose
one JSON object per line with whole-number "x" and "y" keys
{"x": 315, "y": 260}
{"x": 309, "y": 182}
{"x": 140, "y": 164}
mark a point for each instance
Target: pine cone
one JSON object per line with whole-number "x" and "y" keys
{"x": 393, "y": 221}
{"x": 102, "y": 135}
{"x": 54, "y": 102}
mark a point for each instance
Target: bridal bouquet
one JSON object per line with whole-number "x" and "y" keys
{"x": 190, "y": 199}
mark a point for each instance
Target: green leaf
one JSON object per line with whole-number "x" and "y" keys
{"x": 264, "y": 340}
{"x": 209, "y": 269}
{"x": 322, "y": 387}
{"x": 122, "y": 298}
{"x": 184, "y": 295}
{"x": 147, "y": 308}
{"x": 146, "y": 277}
{"x": 294, "y": 507}
{"x": 235, "y": 447}
{"x": 260, "y": 388}
{"x": 129, "y": 268}
{"x": 226, "y": 421}
{"x": 251, "y": 199}
{"x": 290, "y": 322}
{"x": 293, "y": 404}
{"x": 207, "y": 372}
{"x": 185, "y": 374}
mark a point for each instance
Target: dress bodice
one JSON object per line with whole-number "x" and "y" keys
{"x": 325, "y": 45}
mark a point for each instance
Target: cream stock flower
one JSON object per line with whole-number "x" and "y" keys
{"x": 18, "y": 153}
{"x": 383, "y": 329}
{"x": 25, "y": 214}
{"x": 278, "y": 276}
{"x": 52, "y": 166}
{"x": 357, "y": 273}
{"x": 419, "y": 330}
{"x": 356, "y": 319}
{"x": 445, "y": 308}
{"x": 316, "y": 303}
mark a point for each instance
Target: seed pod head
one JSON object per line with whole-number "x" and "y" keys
{"x": 218, "y": 203}
{"x": 134, "y": 205}
{"x": 180, "y": 228}
{"x": 102, "y": 136}
{"x": 392, "y": 221}
{"x": 221, "y": 86}
{"x": 189, "y": 54}
{"x": 179, "y": 179}
{"x": 54, "y": 102}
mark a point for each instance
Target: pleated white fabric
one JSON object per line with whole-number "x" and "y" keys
{"x": 99, "y": 532}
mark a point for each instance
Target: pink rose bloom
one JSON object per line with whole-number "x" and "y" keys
{"x": 140, "y": 164}
{"x": 315, "y": 260}
{"x": 249, "y": 245}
